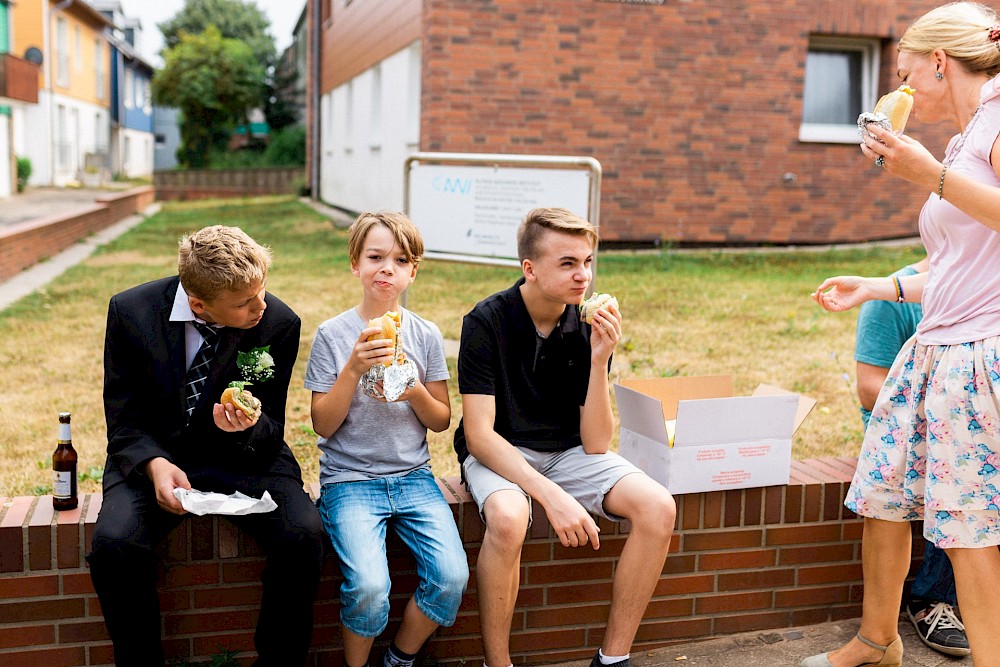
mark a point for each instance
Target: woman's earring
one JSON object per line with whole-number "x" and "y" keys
{"x": 938, "y": 75}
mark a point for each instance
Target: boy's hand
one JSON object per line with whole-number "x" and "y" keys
{"x": 573, "y": 524}
{"x": 230, "y": 419}
{"x": 367, "y": 353}
{"x": 605, "y": 332}
{"x": 166, "y": 477}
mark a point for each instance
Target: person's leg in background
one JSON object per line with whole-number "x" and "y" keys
{"x": 931, "y": 607}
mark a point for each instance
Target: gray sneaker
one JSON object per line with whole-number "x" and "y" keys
{"x": 938, "y": 626}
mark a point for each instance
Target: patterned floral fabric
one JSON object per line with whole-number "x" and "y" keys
{"x": 934, "y": 442}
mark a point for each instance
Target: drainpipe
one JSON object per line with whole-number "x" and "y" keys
{"x": 315, "y": 152}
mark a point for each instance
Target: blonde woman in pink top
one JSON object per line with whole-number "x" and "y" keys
{"x": 932, "y": 448}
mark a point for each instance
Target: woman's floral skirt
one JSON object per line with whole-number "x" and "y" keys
{"x": 932, "y": 448}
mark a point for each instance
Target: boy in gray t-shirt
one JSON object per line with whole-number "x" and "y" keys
{"x": 374, "y": 465}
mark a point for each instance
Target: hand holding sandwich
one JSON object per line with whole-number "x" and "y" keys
{"x": 605, "y": 331}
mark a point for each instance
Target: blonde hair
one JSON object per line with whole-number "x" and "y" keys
{"x": 403, "y": 231}
{"x": 218, "y": 258}
{"x": 962, "y": 30}
{"x": 540, "y": 220}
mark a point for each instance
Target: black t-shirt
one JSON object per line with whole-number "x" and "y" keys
{"x": 539, "y": 384}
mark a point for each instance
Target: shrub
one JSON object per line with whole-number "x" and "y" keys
{"x": 23, "y": 173}
{"x": 287, "y": 148}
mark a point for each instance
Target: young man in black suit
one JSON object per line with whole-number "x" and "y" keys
{"x": 171, "y": 348}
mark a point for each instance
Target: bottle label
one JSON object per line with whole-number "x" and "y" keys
{"x": 62, "y": 483}
{"x": 64, "y": 433}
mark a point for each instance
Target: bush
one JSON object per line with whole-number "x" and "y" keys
{"x": 23, "y": 173}
{"x": 287, "y": 148}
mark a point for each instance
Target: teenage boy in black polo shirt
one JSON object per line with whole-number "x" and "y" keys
{"x": 537, "y": 424}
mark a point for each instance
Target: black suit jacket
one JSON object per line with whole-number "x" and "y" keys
{"x": 144, "y": 398}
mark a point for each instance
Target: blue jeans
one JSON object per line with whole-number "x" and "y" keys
{"x": 356, "y": 514}
{"x": 935, "y": 580}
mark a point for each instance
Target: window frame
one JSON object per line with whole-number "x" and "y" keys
{"x": 870, "y": 49}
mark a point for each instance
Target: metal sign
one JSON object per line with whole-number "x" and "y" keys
{"x": 468, "y": 206}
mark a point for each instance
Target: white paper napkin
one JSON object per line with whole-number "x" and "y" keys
{"x": 209, "y": 502}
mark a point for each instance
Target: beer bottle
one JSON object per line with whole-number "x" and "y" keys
{"x": 64, "y": 468}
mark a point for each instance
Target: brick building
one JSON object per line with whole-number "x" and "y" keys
{"x": 716, "y": 122}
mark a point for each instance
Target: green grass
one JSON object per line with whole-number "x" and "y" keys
{"x": 747, "y": 314}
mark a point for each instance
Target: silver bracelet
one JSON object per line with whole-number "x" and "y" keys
{"x": 941, "y": 182}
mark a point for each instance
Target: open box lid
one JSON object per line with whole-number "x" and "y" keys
{"x": 806, "y": 404}
{"x": 771, "y": 412}
{"x": 670, "y": 391}
{"x": 719, "y": 421}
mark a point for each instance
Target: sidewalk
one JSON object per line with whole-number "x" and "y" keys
{"x": 780, "y": 648}
{"x": 44, "y": 272}
{"x": 37, "y": 203}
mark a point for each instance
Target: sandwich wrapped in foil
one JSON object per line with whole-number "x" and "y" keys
{"x": 867, "y": 118}
{"x": 395, "y": 379}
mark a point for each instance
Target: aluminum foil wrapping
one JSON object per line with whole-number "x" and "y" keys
{"x": 867, "y": 118}
{"x": 395, "y": 380}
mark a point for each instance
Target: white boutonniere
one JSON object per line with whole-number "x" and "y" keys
{"x": 257, "y": 365}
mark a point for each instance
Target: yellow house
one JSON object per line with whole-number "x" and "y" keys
{"x": 66, "y": 135}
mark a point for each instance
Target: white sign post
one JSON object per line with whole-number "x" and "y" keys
{"x": 468, "y": 206}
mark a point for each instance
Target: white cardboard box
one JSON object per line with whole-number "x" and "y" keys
{"x": 721, "y": 441}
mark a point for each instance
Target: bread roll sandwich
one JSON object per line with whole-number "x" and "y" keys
{"x": 891, "y": 112}
{"x": 596, "y": 302}
{"x": 896, "y": 106}
{"x": 243, "y": 400}
{"x": 390, "y": 330}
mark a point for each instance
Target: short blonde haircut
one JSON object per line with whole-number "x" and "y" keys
{"x": 961, "y": 30}
{"x": 540, "y": 220}
{"x": 403, "y": 231}
{"x": 217, "y": 258}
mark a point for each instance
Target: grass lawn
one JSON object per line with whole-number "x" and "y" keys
{"x": 747, "y": 314}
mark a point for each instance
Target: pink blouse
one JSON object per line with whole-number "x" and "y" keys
{"x": 962, "y": 297}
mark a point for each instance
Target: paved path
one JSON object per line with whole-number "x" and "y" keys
{"x": 781, "y": 648}
{"x": 44, "y": 202}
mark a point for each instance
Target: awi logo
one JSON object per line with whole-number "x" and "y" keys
{"x": 461, "y": 186}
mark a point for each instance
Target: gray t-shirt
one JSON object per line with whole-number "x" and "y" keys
{"x": 377, "y": 439}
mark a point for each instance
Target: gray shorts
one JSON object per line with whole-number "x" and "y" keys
{"x": 586, "y": 477}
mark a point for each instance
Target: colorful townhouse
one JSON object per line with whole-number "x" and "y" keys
{"x": 68, "y": 131}
{"x": 132, "y": 135}
{"x": 18, "y": 91}
{"x": 715, "y": 122}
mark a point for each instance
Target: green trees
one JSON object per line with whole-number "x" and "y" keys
{"x": 235, "y": 19}
{"x": 214, "y": 81}
{"x": 217, "y": 59}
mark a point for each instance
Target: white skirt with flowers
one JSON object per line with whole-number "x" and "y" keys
{"x": 932, "y": 448}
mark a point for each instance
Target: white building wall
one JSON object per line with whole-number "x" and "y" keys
{"x": 136, "y": 151}
{"x": 36, "y": 142}
{"x": 370, "y": 125}
{"x": 60, "y": 131}
{"x": 6, "y": 168}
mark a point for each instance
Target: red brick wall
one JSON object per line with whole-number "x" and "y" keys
{"x": 692, "y": 109}
{"x": 24, "y": 244}
{"x": 741, "y": 560}
{"x": 192, "y": 184}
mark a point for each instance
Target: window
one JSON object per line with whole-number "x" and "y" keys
{"x": 375, "y": 131}
{"x": 62, "y": 55}
{"x": 99, "y": 72}
{"x": 841, "y": 81}
{"x": 129, "y": 91}
{"x": 78, "y": 48}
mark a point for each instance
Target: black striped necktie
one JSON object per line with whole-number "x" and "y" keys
{"x": 197, "y": 375}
